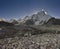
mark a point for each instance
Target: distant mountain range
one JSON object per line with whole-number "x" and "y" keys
{"x": 36, "y": 19}
{"x": 40, "y": 18}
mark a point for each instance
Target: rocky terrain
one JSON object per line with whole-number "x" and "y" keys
{"x": 28, "y": 37}
{"x": 39, "y": 31}
{"x": 41, "y": 41}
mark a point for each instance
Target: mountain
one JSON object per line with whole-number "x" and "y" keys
{"x": 13, "y": 21}
{"x": 40, "y": 18}
{"x": 36, "y": 19}
{"x": 4, "y": 23}
{"x": 2, "y": 19}
{"x": 53, "y": 21}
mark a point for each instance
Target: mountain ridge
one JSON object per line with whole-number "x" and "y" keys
{"x": 37, "y": 19}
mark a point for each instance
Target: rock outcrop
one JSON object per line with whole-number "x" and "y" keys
{"x": 53, "y": 21}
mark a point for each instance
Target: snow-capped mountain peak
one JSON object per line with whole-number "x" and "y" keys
{"x": 38, "y": 18}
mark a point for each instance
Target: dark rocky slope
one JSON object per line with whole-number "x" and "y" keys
{"x": 53, "y": 21}
{"x": 3, "y": 23}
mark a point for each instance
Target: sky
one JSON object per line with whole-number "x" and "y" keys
{"x": 19, "y": 8}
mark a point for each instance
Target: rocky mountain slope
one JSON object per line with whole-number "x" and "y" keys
{"x": 36, "y": 19}
{"x": 53, "y": 21}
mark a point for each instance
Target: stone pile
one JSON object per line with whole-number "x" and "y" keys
{"x": 42, "y": 41}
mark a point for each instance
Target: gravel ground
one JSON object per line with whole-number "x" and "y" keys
{"x": 41, "y": 41}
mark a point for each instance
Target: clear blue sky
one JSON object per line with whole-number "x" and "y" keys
{"x": 19, "y": 8}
